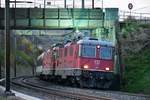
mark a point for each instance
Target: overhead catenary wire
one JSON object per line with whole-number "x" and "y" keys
{"x": 145, "y": 7}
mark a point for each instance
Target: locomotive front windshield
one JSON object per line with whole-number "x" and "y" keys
{"x": 88, "y": 51}
{"x": 105, "y": 53}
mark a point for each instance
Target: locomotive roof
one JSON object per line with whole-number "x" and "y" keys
{"x": 94, "y": 41}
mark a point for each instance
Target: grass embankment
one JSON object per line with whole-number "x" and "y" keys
{"x": 9, "y": 98}
{"x": 137, "y": 72}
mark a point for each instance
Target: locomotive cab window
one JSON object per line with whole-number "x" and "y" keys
{"x": 88, "y": 51}
{"x": 106, "y": 52}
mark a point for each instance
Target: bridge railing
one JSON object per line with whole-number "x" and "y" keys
{"x": 134, "y": 16}
{"x": 27, "y": 4}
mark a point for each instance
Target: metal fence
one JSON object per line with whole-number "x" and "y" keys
{"x": 51, "y": 4}
{"x": 134, "y": 16}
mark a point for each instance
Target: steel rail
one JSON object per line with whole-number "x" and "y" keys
{"x": 32, "y": 84}
{"x": 108, "y": 92}
{"x": 27, "y": 84}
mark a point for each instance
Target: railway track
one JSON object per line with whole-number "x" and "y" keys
{"x": 76, "y": 93}
{"x": 24, "y": 82}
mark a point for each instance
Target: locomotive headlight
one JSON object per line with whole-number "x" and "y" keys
{"x": 98, "y": 46}
{"x": 107, "y": 68}
{"x": 85, "y": 66}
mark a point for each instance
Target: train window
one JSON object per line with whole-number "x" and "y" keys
{"x": 71, "y": 51}
{"x": 106, "y": 53}
{"x": 79, "y": 51}
{"x": 65, "y": 52}
{"x": 88, "y": 51}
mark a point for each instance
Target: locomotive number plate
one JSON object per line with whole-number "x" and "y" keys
{"x": 97, "y": 62}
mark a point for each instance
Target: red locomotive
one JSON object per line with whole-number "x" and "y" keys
{"x": 88, "y": 62}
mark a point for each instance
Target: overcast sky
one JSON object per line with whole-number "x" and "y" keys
{"x": 121, "y": 4}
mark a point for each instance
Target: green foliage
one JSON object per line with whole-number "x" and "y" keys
{"x": 145, "y": 25}
{"x": 28, "y": 45}
{"x": 137, "y": 73}
{"x": 132, "y": 26}
{"x": 25, "y": 57}
{"x": 3, "y": 98}
{"x": 25, "y": 51}
{"x": 129, "y": 27}
{"x": 8, "y": 98}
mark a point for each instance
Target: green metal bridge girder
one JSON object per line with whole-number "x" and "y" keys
{"x": 54, "y": 18}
